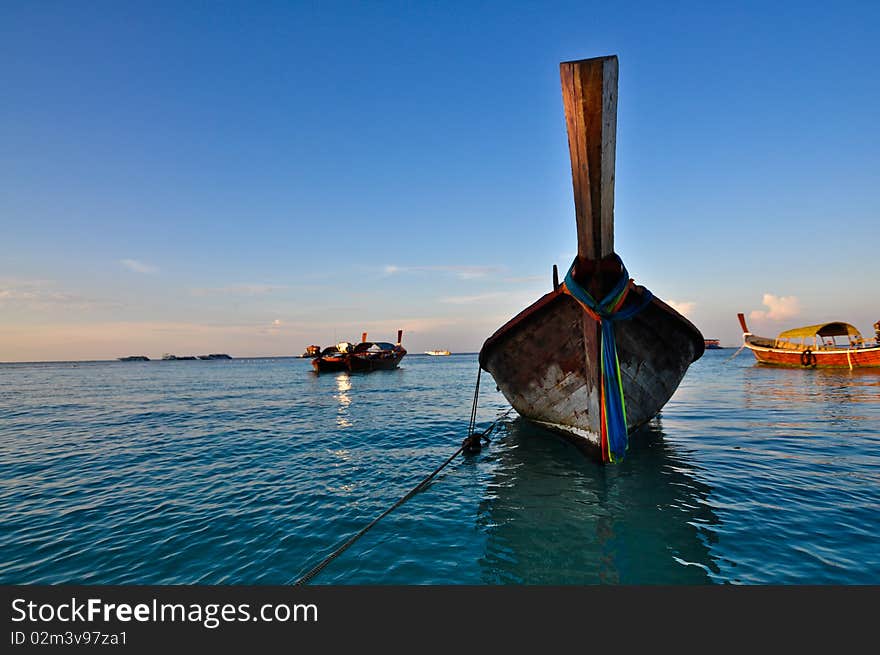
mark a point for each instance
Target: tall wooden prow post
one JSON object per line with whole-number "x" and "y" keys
{"x": 589, "y": 95}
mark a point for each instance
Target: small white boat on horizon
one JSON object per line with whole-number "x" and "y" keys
{"x": 438, "y": 353}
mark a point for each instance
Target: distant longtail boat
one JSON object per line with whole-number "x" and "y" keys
{"x": 363, "y": 357}
{"x": 333, "y": 358}
{"x": 815, "y": 346}
{"x": 376, "y": 355}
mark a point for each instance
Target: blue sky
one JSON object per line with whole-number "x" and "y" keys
{"x": 256, "y": 177}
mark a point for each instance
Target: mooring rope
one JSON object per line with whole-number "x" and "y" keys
{"x": 412, "y": 492}
{"x": 348, "y": 542}
{"x": 473, "y": 420}
{"x": 735, "y": 354}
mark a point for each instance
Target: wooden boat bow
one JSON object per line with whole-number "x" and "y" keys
{"x": 548, "y": 360}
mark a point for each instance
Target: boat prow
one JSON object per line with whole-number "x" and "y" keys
{"x": 541, "y": 362}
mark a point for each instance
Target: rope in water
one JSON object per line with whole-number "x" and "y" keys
{"x": 344, "y": 546}
{"x": 735, "y": 354}
{"x": 612, "y": 405}
{"x": 412, "y": 492}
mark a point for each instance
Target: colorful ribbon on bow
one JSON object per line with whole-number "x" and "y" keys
{"x": 612, "y": 405}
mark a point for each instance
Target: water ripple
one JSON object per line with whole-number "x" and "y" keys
{"x": 249, "y": 471}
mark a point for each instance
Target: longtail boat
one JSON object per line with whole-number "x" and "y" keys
{"x": 598, "y": 356}
{"x": 376, "y": 355}
{"x": 311, "y": 351}
{"x": 815, "y": 346}
{"x": 332, "y": 358}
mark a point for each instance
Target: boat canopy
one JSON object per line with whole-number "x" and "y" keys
{"x": 836, "y": 329}
{"x": 373, "y": 346}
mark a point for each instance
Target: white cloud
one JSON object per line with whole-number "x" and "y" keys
{"x": 461, "y": 272}
{"x": 18, "y": 282}
{"x": 136, "y": 266}
{"x": 466, "y": 300}
{"x": 275, "y": 327}
{"x": 779, "y": 308}
{"x": 238, "y": 290}
{"x": 528, "y": 279}
{"x": 472, "y": 272}
{"x": 684, "y": 307}
{"x": 7, "y": 295}
{"x": 39, "y": 295}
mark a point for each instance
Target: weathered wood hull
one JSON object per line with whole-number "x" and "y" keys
{"x": 365, "y": 362}
{"x": 329, "y": 364}
{"x": 797, "y": 358}
{"x": 544, "y": 362}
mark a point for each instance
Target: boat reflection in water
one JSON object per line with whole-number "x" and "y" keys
{"x": 343, "y": 386}
{"x": 799, "y": 404}
{"x": 553, "y": 517}
{"x": 821, "y": 388}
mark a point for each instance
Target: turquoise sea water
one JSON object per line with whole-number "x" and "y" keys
{"x": 250, "y": 471}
